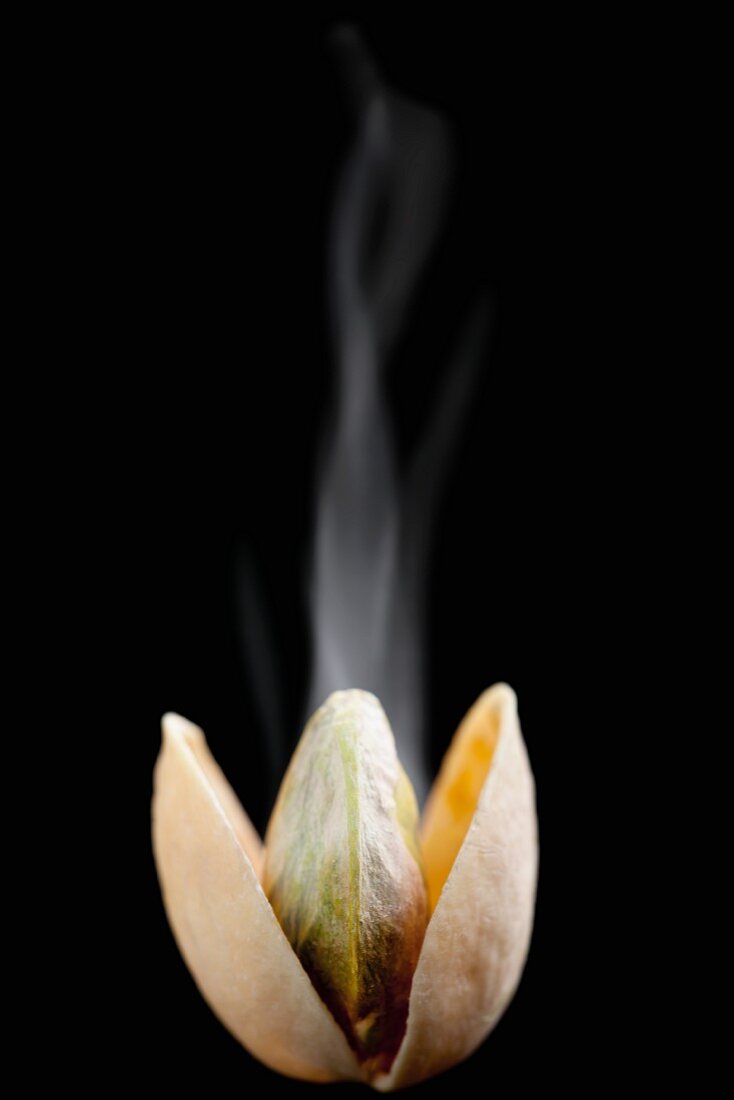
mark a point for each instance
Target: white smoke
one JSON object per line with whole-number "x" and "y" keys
{"x": 372, "y": 528}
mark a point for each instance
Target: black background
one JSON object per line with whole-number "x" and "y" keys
{"x": 220, "y": 168}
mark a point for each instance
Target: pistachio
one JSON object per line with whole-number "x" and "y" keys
{"x": 319, "y": 991}
{"x": 343, "y": 872}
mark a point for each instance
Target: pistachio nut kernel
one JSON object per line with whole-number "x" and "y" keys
{"x": 343, "y": 872}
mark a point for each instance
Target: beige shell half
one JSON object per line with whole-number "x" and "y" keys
{"x": 208, "y": 853}
{"x": 478, "y": 937}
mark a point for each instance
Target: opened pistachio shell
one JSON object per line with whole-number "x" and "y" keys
{"x": 223, "y": 923}
{"x": 479, "y": 839}
{"x": 342, "y": 871}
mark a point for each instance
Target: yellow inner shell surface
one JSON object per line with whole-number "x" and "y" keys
{"x": 455, "y": 793}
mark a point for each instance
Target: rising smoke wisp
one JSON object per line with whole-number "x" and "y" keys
{"x": 373, "y": 524}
